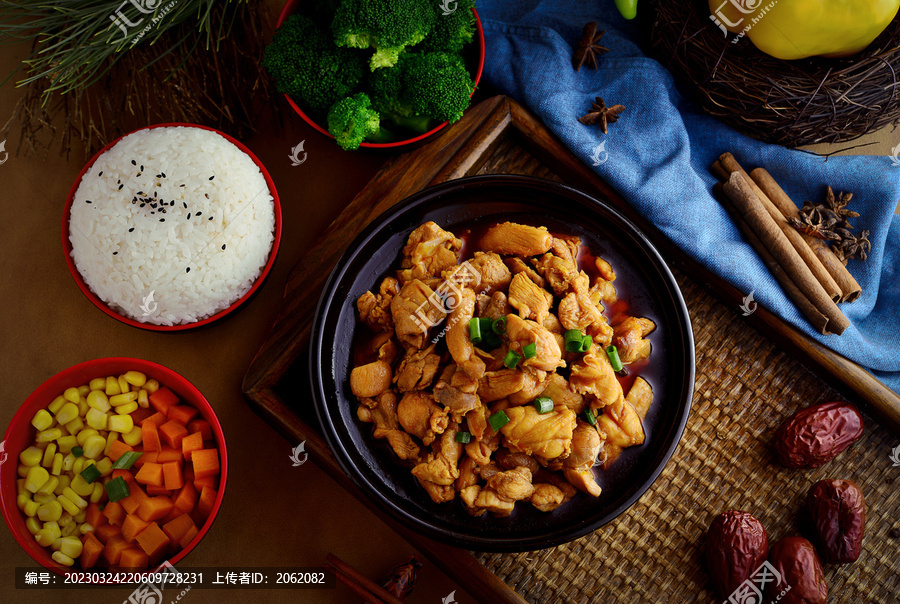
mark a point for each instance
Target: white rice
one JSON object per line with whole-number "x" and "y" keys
{"x": 180, "y": 260}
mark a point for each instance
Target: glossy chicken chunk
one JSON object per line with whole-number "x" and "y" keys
{"x": 415, "y": 309}
{"x": 429, "y": 251}
{"x": 546, "y": 435}
{"x": 511, "y": 239}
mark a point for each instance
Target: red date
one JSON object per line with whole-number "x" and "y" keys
{"x": 817, "y": 434}
{"x": 836, "y": 511}
{"x": 795, "y": 560}
{"x": 736, "y": 545}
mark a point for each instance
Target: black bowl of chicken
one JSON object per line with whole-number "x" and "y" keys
{"x": 472, "y": 205}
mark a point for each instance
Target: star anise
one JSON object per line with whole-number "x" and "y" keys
{"x": 588, "y": 48}
{"x": 601, "y": 114}
{"x": 817, "y": 221}
{"x": 838, "y": 205}
{"x": 850, "y": 246}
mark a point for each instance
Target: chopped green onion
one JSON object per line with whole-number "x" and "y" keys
{"x": 77, "y": 451}
{"x": 614, "y": 359}
{"x": 589, "y": 417}
{"x": 90, "y": 473}
{"x": 512, "y": 359}
{"x": 543, "y": 404}
{"x": 499, "y": 326}
{"x": 586, "y": 342}
{"x": 573, "y": 339}
{"x": 491, "y": 341}
{"x": 475, "y": 330}
{"x": 529, "y": 351}
{"x": 117, "y": 489}
{"x": 498, "y": 420}
{"x": 486, "y": 324}
{"x": 126, "y": 460}
{"x": 463, "y": 437}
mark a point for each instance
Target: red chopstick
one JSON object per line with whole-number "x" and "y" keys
{"x": 364, "y": 587}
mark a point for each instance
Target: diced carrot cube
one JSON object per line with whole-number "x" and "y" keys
{"x": 132, "y": 526}
{"x": 93, "y": 516}
{"x": 206, "y": 481}
{"x": 114, "y": 548}
{"x": 117, "y": 449}
{"x": 114, "y": 512}
{"x": 168, "y": 454}
{"x": 150, "y": 437}
{"x": 172, "y": 433}
{"x": 182, "y": 413}
{"x": 133, "y": 558}
{"x": 106, "y": 532}
{"x": 155, "y": 508}
{"x": 202, "y": 426}
{"x": 140, "y": 414}
{"x": 176, "y": 528}
{"x": 162, "y": 399}
{"x": 157, "y": 419}
{"x": 153, "y": 490}
{"x": 172, "y": 475}
{"x": 188, "y": 537}
{"x": 186, "y": 498}
{"x": 150, "y": 473}
{"x": 126, "y": 475}
{"x": 205, "y": 462}
{"x": 191, "y": 443}
{"x": 147, "y": 456}
{"x": 153, "y": 540}
{"x": 91, "y": 550}
{"x": 133, "y": 501}
{"x": 206, "y": 502}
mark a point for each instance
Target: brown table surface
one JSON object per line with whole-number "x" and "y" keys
{"x": 274, "y": 515}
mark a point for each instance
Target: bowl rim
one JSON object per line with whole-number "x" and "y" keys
{"x": 95, "y": 299}
{"x": 371, "y": 487}
{"x": 291, "y": 7}
{"x": 45, "y": 393}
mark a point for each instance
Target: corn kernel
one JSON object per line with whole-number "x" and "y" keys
{"x": 98, "y": 400}
{"x": 43, "y": 497}
{"x": 105, "y": 466}
{"x": 63, "y": 483}
{"x": 81, "y": 486}
{"x": 49, "y": 452}
{"x": 121, "y": 399}
{"x": 66, "y": 443}
{"x": 49, "y": 486}
{"x": 93, "y": 446}
{"x": 134, "y": 437}
{"x": 36, "y": 478}
{"x": 32, "y": 525}
{"x": 110, "y": 439}
{"x": 83, "y": 390}
{"x": 97, "y": 384}
{"x": 65, "y": 519}
{"x": 151, "y": 386}
{"x": 42, "y": 420}
{"x": 31, "y": 508}
{"x": 96, "y": 419}
{"x": 45, "y": 537}
{"x": 98, "y": 494}
{"x": 85, "y": 528}
{"x": 31, "y": 456}
{"x": 82, "y": 407}
{"x": 46, "y": 436}
{"x": 124, "y": 386}
{"x": 22, "y": 499}
{"x": 135, "y": 378}
{"x": 143, "y": 400}
{"x": 71, "y": 546}
{"x": 82, "y": 436}
{"x": 112, "y": 386}
{"x": 51, "y": 510}
{"x": 63, "y": 559}
{"x": 127, "y": 408}
{"x": 69, "y": 530}
{"x": 74, "y": 498}
{"x": 121, "y": 423}
{"x": 20, "y": 486}
{"x": 67, "y": 504}
{"x": 75, "y": 426}
{"x": 67, "y": 412}
{"x": 80, "y": 517}
{"x": 22, "y": 470}
{"x": 56, "y": 468}
{"x": 78, "y": 466}
{"x": 68, "y": 462}
{"x": 71, "y": 395}
{"x": 56, "y": 403}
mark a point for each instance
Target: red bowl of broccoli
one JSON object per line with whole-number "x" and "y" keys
{"x": 379, "y": 74}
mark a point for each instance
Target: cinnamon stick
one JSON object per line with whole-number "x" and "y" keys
{"x": 818, "y": 320}
{"x": 850, "y": 289}
{"x": 748, "y": 203}
{"x": 730, "y": 164}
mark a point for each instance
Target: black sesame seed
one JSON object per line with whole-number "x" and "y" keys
{"x": 183, "y": 203}
{"x": 143, "y": 204}
{"x": 88, "y": 201}
{"x": 207, "y": 195}
{"x": 198, "y": 213}
{"x": 162, "y": 219}
{"x": 115, "y": 253}
{"x": 142, "y": 167}
{"x": 163, "y": 174}
{"x": 182, "y": 185}
{"x": 138, "y": 173}
{"x": 213, "y": 176}
{"x": 101, "y": 173}
{"x": 133, "y": 163}
{"x": 210, "y": 217}
{"x": 131, "y": 230}
{"x": 120, "y": 187}
{"x": 189, "y": 216}
{"x": 154, "y": 193}
{"x": 223, "y": 246}
{"x": 187, "y": 270}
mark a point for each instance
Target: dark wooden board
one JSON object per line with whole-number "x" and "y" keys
{"x": 462, "y": 151}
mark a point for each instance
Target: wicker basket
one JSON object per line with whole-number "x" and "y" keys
{"x": 791, "y": 103}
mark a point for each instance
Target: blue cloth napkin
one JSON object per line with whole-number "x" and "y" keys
{"x": 658, "y": 157}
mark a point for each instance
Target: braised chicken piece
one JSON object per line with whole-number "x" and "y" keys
{"x": 462, "y": 348}
{"x": 531, "y": 301}
{"x": 415, "y": 309}
{"x": 429, "y": 251}
{"x": 511, "y": 239}
{"x": 417, "y": 369}
{"x": 629, "y": 339}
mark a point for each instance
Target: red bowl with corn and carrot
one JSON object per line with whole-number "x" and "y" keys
{"x": 112, "y": 464}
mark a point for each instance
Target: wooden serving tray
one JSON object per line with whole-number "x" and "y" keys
{"x": 495, "y": 136}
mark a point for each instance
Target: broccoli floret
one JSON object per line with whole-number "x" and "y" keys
{"x": 433, "y": 84}
{"x": 352, "y": 119}
{"x": 451, "y": 32}
{"x": 306, "y": 65}
{"x": 388, "y": 26}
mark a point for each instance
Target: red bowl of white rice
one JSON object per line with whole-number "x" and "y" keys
{"x": 171, "y": 227}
